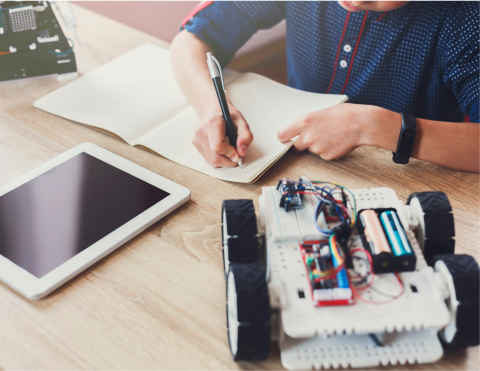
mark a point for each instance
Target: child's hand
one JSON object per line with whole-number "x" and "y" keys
{"x": 332, "y": 132}
{"x": 211, "y": 140}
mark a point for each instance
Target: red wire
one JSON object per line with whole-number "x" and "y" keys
{"x": 369, "y": 256}
{"x": 370, "y": 271}
{"x": 355, "y": 293}
{"x": 314, "y": 193}
{"x": 343, "y": 207}
{"x": 368, "y": 284}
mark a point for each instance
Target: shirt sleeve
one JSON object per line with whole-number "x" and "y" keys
{"x": 461, "y": 56}
{"x": 226, "y": 26}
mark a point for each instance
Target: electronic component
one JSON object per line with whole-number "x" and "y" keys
{"x": 296, "y": 225}
{"x": 395, "y": 233}
{"x": 311, "y": 297}
{"x": 32, "y": 42}
{"x": 394, "y": 254}
{"x": 290, "y": 199}
{"x": 22, "y": 18}
{"x": 374, "y": 232}
{"x": 331, "y": 213}
{"x": 327, "y": 276}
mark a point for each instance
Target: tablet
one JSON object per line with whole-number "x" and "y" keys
{"x": 68, "y": 213}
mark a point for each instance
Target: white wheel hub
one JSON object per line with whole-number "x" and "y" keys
{"x": 232, "y": 313}
{"x": 448, "y": 333}
{"x": 225, "y": 243}
{"x": 417, "y": 213}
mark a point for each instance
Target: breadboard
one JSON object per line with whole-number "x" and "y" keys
{"x": 295, "y": 225}
{"x": 359, "y": 351}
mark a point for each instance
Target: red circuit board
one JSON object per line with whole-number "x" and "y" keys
{"x": 306, "y": 247}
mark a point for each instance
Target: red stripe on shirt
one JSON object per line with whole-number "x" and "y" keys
{"x": 355, "y": 52}
{"x": 338, "y": 52}
{"x": 383, "y": 15}
{"x": 195, "y": 10}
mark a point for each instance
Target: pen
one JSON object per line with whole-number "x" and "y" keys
{"x": 217, "y": 78}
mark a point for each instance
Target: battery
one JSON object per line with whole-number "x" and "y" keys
{"x": 374, "y": 232}
{"x": 395, "y": 233}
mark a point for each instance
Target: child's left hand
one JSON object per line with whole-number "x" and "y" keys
{"x": 337, "y": 131}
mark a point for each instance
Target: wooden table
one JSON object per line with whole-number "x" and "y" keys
{"x": 159, "y": 301}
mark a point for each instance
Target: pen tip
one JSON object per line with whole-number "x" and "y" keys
{"x": 240, "y": 163}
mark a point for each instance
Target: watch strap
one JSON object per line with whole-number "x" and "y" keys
{"x": 406, "y": 140}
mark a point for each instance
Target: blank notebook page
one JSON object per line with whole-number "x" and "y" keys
{"x": 129, "y": 96}
{"x": 266, "y": 105}
{"x": 136, "y": 97}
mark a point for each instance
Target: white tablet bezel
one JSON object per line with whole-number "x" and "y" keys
{"x": 36, "y": 288}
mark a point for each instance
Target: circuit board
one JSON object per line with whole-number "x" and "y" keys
{"x": 316, "y": 256}
{"x": 419, "y": 307}
{"x": 32, "y": 42}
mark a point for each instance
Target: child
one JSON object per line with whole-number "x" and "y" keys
{"x": 389, "y": 58}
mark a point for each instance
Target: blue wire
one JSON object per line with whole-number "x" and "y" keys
{"x": 324, "y": 231}
{"x": 328, "y": 191}
{"x": 316, "y": 211}
{"x": 65, "y": 52}
{"x": 338, "y": 211}
{"x": 327, "y": 187}
{"x": 334, "y": 204}
{"x": 323, "y": 190}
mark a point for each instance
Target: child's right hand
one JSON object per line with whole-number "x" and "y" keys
{"x": 211, "y": 140}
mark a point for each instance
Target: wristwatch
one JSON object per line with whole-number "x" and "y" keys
{"x": 406, "y": 140}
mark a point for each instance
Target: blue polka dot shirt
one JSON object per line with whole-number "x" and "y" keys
{"x": 422, "y": 58}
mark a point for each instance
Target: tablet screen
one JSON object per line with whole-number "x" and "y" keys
{"x": 50, "y": 219}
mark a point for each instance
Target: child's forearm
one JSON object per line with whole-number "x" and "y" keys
{"x": 451, "y": 144}
{"x": 338, "y": 130}
{"x": 189, "y": 63}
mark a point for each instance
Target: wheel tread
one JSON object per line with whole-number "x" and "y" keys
{"x": 439, "y": 225}
{"x": 241, "y": 224}
{"x": 243, "y": 249}
{"x": 253, "y": 342}
{"x": 441, "y": 246}
{"x": 238, "y": 206}
{"x": 436, "y": 201}
{"x": 466, "y": 279}
{"x": 253, "y": 312}
{"x": 438, "y": 221}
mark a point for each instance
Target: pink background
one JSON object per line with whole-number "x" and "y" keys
{"x": 164, "y": 18}
{"x": 158, "y": 18}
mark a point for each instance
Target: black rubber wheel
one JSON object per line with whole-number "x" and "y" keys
{"x": 466, "y": 276}
{"x": 248, "y": 312}
{"x": 439, "y": 227}
{"x": 239, "y": 233}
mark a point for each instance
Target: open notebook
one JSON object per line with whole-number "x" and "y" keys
{"x": 136, "y": 97}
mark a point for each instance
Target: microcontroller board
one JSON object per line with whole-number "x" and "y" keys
{"x": 32, "y": 42}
